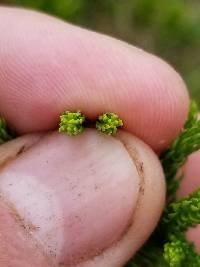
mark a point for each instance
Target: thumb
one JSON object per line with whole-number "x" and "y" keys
{"x": 91, "y": 200}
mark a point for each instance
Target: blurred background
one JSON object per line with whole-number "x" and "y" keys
{"x": 170, "y": 29}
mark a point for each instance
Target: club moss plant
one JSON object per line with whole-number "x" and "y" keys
{"x": 167, "y": 246}
{"x": 108, "y": 123}
{"x": 72, "y": 122}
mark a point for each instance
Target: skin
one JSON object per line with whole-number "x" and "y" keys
{"x": 95, "y": 206}
{"x": 190, "y": 183}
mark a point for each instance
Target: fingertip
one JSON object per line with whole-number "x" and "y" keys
{"x": 164, "y": 103}
{"x": 150, "y": 205}
{"x": 48, "y": 66}
{"x": 90, "y": 207}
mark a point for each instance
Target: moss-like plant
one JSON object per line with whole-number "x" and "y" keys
{"x": 179, "y": 252}
{"x": 72, "y": 122}
{"x": 108, "y": 123}
{"x": 168, "y": 246}
{"x": 5, "y": 133}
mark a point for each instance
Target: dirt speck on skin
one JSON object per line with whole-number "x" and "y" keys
{"x": 137, "y": 161}
{"x": 134, "y": 154}
{"x": 10, "y": 158}
{"x": 96, "y": 187}
{"x": 26, "y": 225}
{"x": 14, "y": 148}
{"x": 21, "y": 150}
{"x": 140, "y": 169}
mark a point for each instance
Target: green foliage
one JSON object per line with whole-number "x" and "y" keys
{"x": 182, "y": 214}
{"x": 179, "y": 252}
{"x": 108, "y": 123}
{"x": 175, "y": 156}
{"x": 150, "y": 255}
{"x": 71, "y": 123}
{"x": 168, "y": 246}
{"x": 84, "y": 12}
{"x": 174, "y": 252}
{"x": 5, "y": 133}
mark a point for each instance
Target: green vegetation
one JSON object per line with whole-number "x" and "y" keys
{"x": 179, "y": 252}
{"x": 170, "y": 29}
{"x": 186, "y": 143}
{"x": 71, "y": 123}
{"x": 5, "y": 133}
{"x": 108, "y": 123}
{"x": 168, "y": 247}
{"x": 181, "y": 215}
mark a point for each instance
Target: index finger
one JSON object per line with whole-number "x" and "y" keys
{"x": 48, "y": 66}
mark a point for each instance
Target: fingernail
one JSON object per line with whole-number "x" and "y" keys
{"x": 74, "y": 195}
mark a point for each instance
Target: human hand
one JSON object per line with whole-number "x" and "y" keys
{"x": 91, "y": 200}
{"x": 190, "y": 183}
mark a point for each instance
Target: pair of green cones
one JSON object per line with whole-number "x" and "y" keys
{"x": 73, "y": 123}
